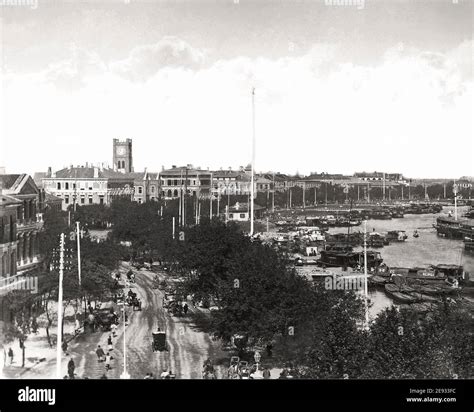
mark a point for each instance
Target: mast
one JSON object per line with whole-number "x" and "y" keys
{"x": 253, "y": 163}
{"x": 455, "y": 191}
{"x": 366, "y": 297}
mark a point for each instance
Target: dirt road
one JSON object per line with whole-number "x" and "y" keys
{"x": 188, "y": 347}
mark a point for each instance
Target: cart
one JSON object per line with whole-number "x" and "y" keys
{"x": 159, "y": 341}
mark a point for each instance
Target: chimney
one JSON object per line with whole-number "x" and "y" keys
{"x": 87, "y": 164}
{"x": 173, "y": 167}
{"x": 49, "y": 173}
{"x": 96, "y": 172}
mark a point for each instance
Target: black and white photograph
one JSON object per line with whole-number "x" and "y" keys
{"x": 212, "y": 191}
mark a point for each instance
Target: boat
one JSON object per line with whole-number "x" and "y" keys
{"x": 396, "y": 236}
{"x": 350, "y": 259}
{"x": 394, "y": 292}
{"x": 377, "y": 280}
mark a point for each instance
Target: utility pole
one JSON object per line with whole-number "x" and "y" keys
{"x": 273, "y": 196}
{"x": 125, "y": 374}
{"x": 366, "y": 295}
{"x": 78, "y": 235}
{"x": 368, "y": 192}
{"x": 315, "y": 196}
{"x": 174, "y": 227}
{"x": 59, "y": 338}
{"x": 253, "y": 162}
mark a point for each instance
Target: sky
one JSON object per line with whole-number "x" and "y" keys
{"x": 374, "y": 85}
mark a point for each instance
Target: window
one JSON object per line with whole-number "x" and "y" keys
{"x": 101, "y": 200}
{"x": 74, "y": 186}
{"x": 169, "y": 193}
{"x": 175, "y": 182}
{"x": 231, "y": 215}
{"x": 242, "y": 215}
{"x": 67, "y": 185}
{"x": 59, "y": 185}
{"x": 66, "y": 199}
{"x": 140, "y": 190}
{"x": 175, "y": 193}
{"x": 83, "y": 200}
{"x": 169, "y": 182}
{"x": 90, "y": 200}
{"x": 153, "y": 189}
{"x": 139, "y": 201}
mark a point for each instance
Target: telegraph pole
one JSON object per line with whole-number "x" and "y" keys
{"x": 78, "y": 253}
{"x": 366, "y": 295}
{"x": 60, "y": 309}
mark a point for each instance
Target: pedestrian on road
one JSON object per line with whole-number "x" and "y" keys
{"x": 77, "y": 326}
{"x": 108, "y": 359}
{"x": 10, "y": 355}
{"x": 114, "y": 329}
{"x": 100, "y": 353}
{"x": 266, "y": 373}
{"x": 185, "y": 308}
{"x": 109, "y": 343}
{"x": 71, "y": 368}
{"x": 64, "y": 347}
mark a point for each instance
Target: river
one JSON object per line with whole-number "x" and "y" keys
{"x": 427, "y": 249}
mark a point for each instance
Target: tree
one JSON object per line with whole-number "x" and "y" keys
{"x": 19, "y": 302}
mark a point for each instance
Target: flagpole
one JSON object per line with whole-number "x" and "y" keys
{"x": 253, "y": 165}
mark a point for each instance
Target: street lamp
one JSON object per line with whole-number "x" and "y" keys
{"x": 125, "y": 374}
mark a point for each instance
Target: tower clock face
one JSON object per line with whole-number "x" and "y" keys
{"x": 121, "y": 151}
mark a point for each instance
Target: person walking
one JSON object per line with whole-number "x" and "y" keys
{"x": 109, "y": 343}
{"x": 10, "y": 355}
{"x": 64, "y": 347}
{"x": 266, "y": 373}
{"x": 114, "y": 329}
{"x": 108, "y": 359}
{"x": 71, "y": 367}
{"x": 100, "y": 353}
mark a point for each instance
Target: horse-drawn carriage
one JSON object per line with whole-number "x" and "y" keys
{"x": 159, "y": 341}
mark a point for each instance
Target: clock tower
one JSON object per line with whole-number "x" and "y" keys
{"x": 122, "y": 157}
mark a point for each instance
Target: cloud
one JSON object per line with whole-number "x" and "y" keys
{"x": 170, "y": 52}
{"x": 314, "y": 113}
{"x": 71, "y": 74}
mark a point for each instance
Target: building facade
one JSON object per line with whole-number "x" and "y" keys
{"x": 186, "y": 179}
{"x": 28, "y": 222}
{"x": 87, "y": 185}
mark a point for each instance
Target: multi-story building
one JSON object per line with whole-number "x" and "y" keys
{"x": 26, "y": 195}
{"x": 185, "y": 179}
{"x": 87, "y": 185}
{"x": 230, "y": 182}
{"x": 146, "y": 187}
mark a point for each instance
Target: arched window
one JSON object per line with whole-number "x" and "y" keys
{"x": 169, "y": 192}
{"x": 175, "y": 193}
